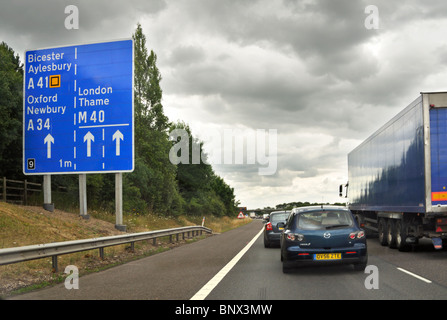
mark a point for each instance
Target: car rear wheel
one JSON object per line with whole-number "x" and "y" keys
{"x": 285, "y": 267}
{"x": 266, "y": 243}
{"x": 360, "y": 266}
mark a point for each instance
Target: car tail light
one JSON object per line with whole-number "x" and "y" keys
{"x": 357, "y": 235}
{"x": 268, "y": 226}
{"x": 295, "y": 236}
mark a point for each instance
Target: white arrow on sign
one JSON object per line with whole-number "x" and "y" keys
{"x": 89, "y": 138}
{"x": 48, "y": 141}
{"x": 118, "y": 136}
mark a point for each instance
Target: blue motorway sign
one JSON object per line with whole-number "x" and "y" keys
{"x": 78, "y": 109}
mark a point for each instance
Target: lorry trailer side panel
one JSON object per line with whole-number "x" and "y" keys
{"x": 402, "y": 167}
{"x": 386, "y": 172}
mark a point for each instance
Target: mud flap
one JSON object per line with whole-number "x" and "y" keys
{"x": 437, "y": 243}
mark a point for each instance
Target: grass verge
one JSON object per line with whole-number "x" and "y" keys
{"x": 21, "y": 226}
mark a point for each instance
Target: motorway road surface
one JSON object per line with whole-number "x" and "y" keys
{"x": 181, "y": 273}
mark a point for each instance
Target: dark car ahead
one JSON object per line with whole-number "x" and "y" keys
{"x": 272, "y": 232}
{"x": 322, "y": 235}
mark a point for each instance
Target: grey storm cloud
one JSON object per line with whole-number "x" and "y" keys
{"x": 36, "y": 24}
{"x": 309, "y": 69}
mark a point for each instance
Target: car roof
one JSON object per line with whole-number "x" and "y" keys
{"x": 282, "y": 211}
{"x": 320, "y": 207}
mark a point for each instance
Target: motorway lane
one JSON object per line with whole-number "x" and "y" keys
{"x": 176, "y": 274}
{"x": 258, "y": 276}
{"x": 180, "y": 273}
{"x": 423, "y": 259}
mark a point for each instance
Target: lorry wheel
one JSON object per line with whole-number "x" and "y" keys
{"x": 391, "y": 233}
{"x": 401, "y": 236}
{"x": 382, "y": 232}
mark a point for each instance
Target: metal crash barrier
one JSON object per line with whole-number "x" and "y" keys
{"x": 39, "y": 251}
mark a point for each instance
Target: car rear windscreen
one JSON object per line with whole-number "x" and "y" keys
{"x": 278, "y": 217}
{"x": 316, "y": 220}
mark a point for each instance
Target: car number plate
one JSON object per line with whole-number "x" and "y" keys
{"x": 327, "y": 256}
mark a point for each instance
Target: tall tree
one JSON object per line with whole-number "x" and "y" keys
{"x": 225, "y": 193}
{"x": 154, "y": 179}
{"x": 148, "y": 93}
{"x": 203, "y": 191}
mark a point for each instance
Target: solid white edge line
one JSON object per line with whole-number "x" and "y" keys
{"x": 414, "y": 275}
{"x": 207, "y": 288}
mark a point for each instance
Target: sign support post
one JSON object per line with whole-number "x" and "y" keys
{"x": 119, "y": 201}
{"x": 83, "y": 196}
{"x": 47, "y": 205}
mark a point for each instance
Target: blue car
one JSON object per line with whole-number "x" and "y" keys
{"x": 322, "y": 235}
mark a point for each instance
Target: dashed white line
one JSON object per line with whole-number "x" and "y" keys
{"x": 207, "y": 288}
{"x": 414, "y": 275}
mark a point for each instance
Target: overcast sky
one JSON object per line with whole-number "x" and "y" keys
{"x": 309, "y": 69}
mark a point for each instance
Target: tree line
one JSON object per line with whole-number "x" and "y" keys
{"x": 156, "y": 185}
{"x": 297, "y": 204}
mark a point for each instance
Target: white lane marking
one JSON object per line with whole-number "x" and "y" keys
{"x": 414, "y": 275}
{"x": 207, "y": 288}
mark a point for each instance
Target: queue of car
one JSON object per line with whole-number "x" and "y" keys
{"x": 316, "y": 235}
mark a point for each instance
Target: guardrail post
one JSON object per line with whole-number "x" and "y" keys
{"x": 101, "y": 253}
{"x": 154, "y": 241}
{"x": 176, "y": 237}
{"x": 54, "y": 264}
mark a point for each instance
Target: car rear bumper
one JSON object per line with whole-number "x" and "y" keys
{"x": 302, "y": 256}
{"x": 273, "y": 237}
